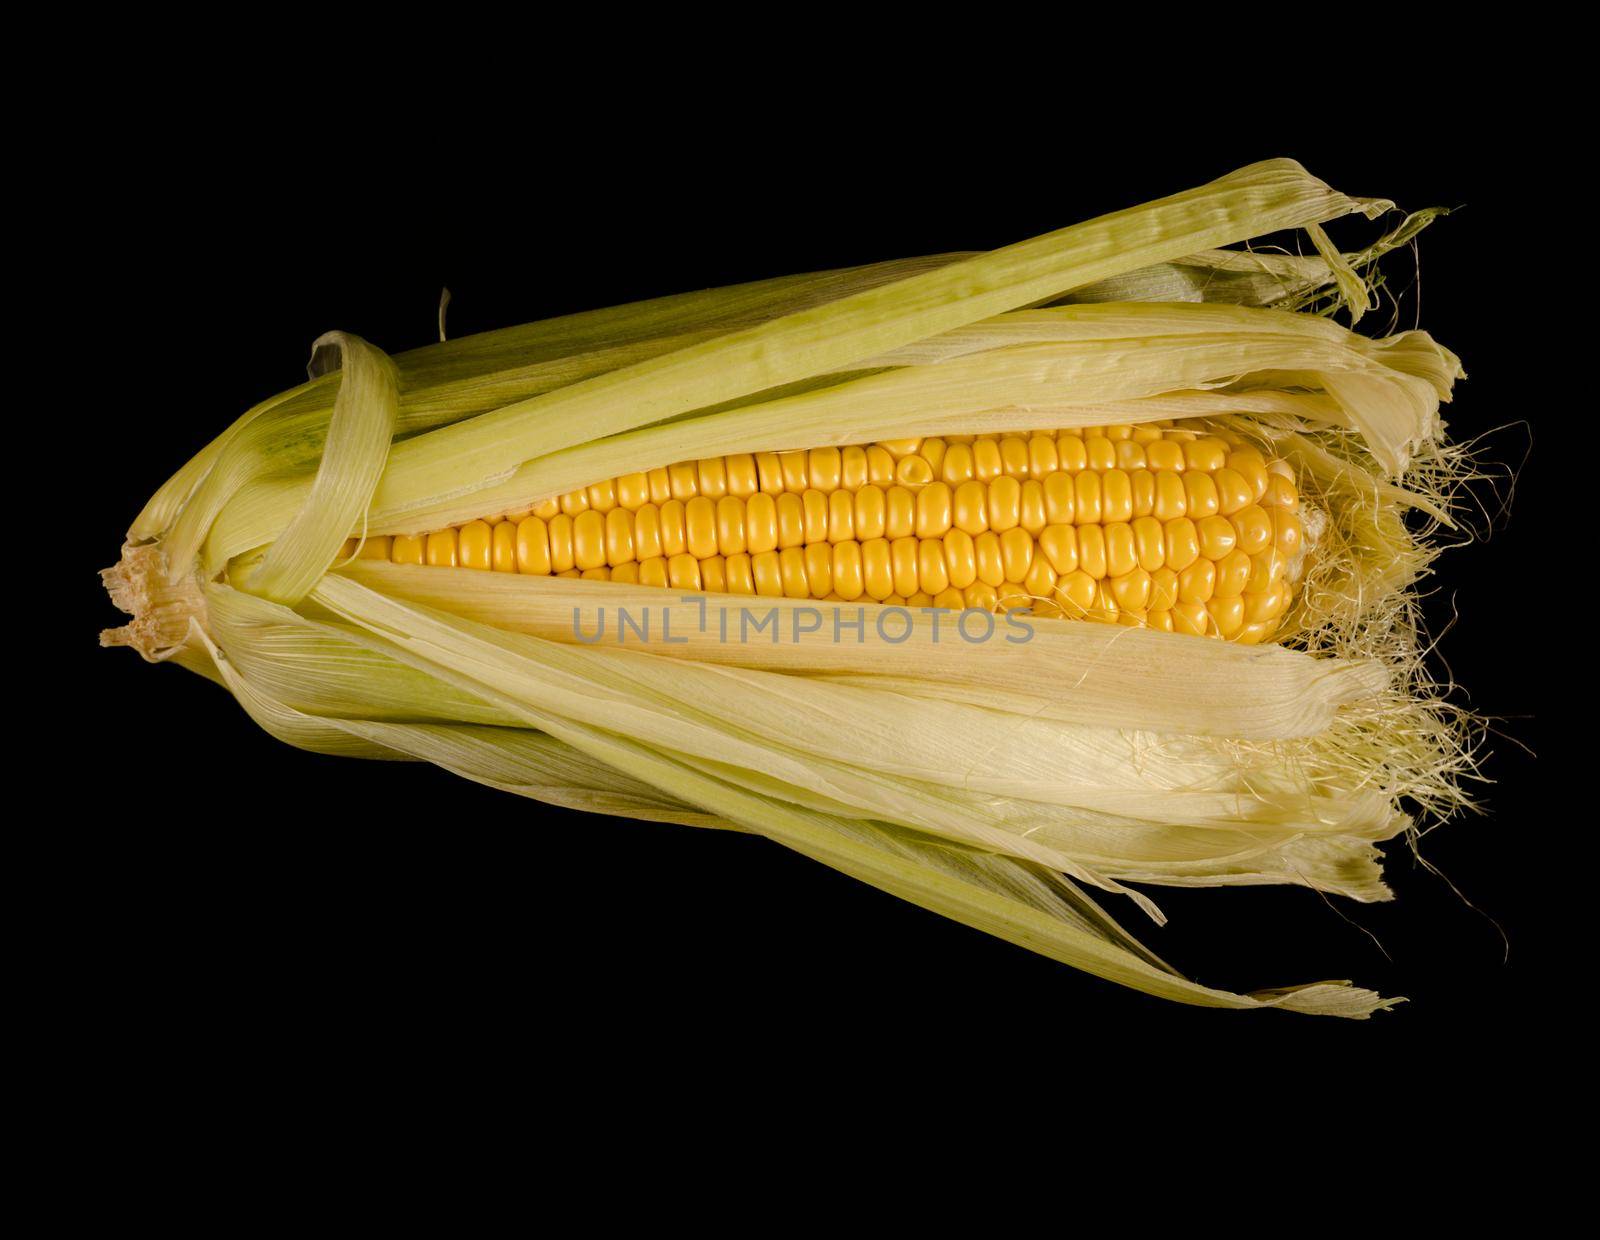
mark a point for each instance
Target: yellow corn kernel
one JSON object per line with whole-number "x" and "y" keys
{"x": 407, "y": 549}
{"x": 504, "y": 550}
{"x": 711, "y": 476}
{"x": 730, "y": 524}
{"x": 871, "y": 513}
{"x": 791, "y": 520}
{"x": 743, "y": 480}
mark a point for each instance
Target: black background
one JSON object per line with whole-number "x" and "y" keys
{"x": 272, "y": 898}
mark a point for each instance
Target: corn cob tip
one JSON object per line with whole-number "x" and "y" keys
{"x": 161, "y": 609}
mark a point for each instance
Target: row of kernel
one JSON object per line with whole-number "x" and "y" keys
{"x": 914, "y": 463}
{"x": 1097, "y": 518}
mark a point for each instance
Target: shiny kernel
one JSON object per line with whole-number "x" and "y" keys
{"x": 815, "y": 506}
{"x": 960, "y": 558}
{"x": 1092, "y": 549}
{"x": 880, "y": 466}
{"x": 560, "y": 530}
{"x": 1043, "y": 459}
{"x": 603, "y": 496}
{"x": 1102, "y": 454}
{"x": 408, "y": 549}
{"x": 653, "y": 571}
{"x": 1163, "y": 589}
{"x": 711, "y": 476}
{"x": 1060, "y": 545}
{"x": 949, "y": 599}
{"x": 1280, "y": 493}
{"x": 1014, "y": 456}
{"x": 957, "y": 467}
{"x": 1266, "y": 567}
{"x": 1199, "y": 495}
{"x": 503, "y": 552}
{"x": 970, "y": 507}
{"x": 660, "y": 487}
{"x": 730, "y": 525}
{"x": 932, "y": 451}
{"x": 899, "y": 448}
{"x": 1252, "y": 467}
{"x": 933, "y": 511}
{"x": 768, "y": 574}
{"x": 1217, "y": 537}
{"x": 1086, "y": 495}
{"x": 683, "y": 573}
{"x": 991, "y": 561}
{"x": 819, "y": 568}
{"x": 791, "y": 568}
{"x": 1233, "y": 491}
{"x": 761, "y": 523}
{"x": 794, "y": 471}
{"x": 1145, "y": 432}
{"x": 1040, "y": 583}
{"x": 626, "y": 573}
{"x": 823, "y": 467}
{"x": 1143, "y": 484}
{"x": 980, "y": 596}
{"x": 1130, "y": 455}
{"x": 1161, "y": 621}
{"x": 853, "y": 468}
{"x": 1172, "y": 499}
{"x": 769, "y": 473}
{"x": 841, "y": 515}
{"x": 1191, "y": 618}
{"x": 900, "y": 513}
{"x": 987, "y": 464}
{"x": 1119, "y": 431}
{"x": 736, "y": 568}
{"x": 685, "y": 479}
{"x": 674, "y": 537}
{"x": 1149, "y": 543}
{"x": 847, "y": 580}
{"x": 903, "y": 557}
{"x": 574, "y": 502}
{"x": 1197, "y": 582}
{"x": 1286, "y": 530}
{"x": 871, "y": 513}
{"x": 442, "y": 549}
{"x": 647, "y": 532}
{"x": 1071, "y": 453}
{"x": 1228, "y": 615}
{"x": 713, "y": 574}
{"x": 1016, "y": 554}
{"x": 932, "y": 576}
{"x": 547, "y": 508}
{"x": 533, "y": 547}
{"x": 1254, "y": 528}
{"x": 589, "y": 540}
{"x": 1131, "y": 590}
{"x": 1122, "y": 555}
{"x": 1267, "y": 605}
{"x": 633, "y": 491}
{"x": 1233, "y": 571}
{"x": 1163, "y": 454}
{"x": 1253, "y": 634}
{"x": 1059, "y": 497}
{"x": 1116, "y": 496}
{"x": 1031, "y": 506}
{"x": 1205, "y": 455}
{"x": 1182, "y": 543}
{"x": 1005, "y": 502}
{"x": 913, "y": 471}
{"x": 1075, "y": 593}
{"x": 877, "y": 569}
{"x": 791, "y": 520}
{"x": 743, "y": 481}
{"x": 619, "y": 536}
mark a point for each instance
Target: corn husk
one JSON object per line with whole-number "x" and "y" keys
{"x": 995, "y": 783}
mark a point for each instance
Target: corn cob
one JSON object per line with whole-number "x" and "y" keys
{"x": 1227, "y": 471}
{"x": 1152, "y": 525}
